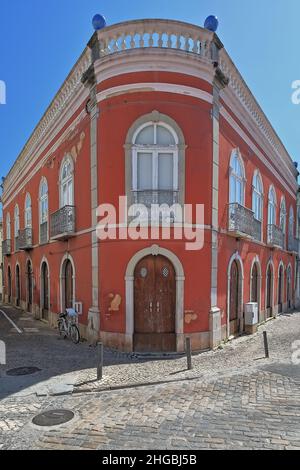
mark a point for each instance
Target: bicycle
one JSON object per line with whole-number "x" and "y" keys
{"x": 67, "y": 326}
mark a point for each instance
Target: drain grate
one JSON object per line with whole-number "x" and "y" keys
{"x": 23, "y": 371}
{"x": 53, "y": 418}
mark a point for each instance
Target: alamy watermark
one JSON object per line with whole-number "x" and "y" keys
{"x": 2, "y": 353}
{"x": 2, "y": 92}
{"x": 152, "y": 222}
{"x": 296, "y": 352}
{"x": 296, "y": 93}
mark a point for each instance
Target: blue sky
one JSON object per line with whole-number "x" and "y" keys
{"x": 40, "y": 41}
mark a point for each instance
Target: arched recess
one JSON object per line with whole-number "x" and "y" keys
{"x": 235, "y": 295}
{"x": 67, "y": 282}
{"x": 9, "y": 284}
{"x": 45, "y": 289}
{"x": 18, "y": 284}
{"x": 280, "y": 295}
{"x": 29, "y": 285}
{"x": 155, "y": 250}
{"x": 289, "y": 287}
{"x": 255, "y": 282}
{"x": 269, "y": 292}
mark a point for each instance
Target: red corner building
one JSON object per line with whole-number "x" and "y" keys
{"x": 154, "y": 110}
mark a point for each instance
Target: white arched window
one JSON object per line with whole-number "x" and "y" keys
{"x": 67, "y": 183}
{"x": 28, "y": 211}
{"x": 257, "y": 196}
{"x": 17, "y": 221}
{"x": 155, "y": 164}
{"x": 291, "y": 224}
{"x": 43, "y": 201}
{"x": 272, "y": 207}
{"x": 237, "y": 179}
{"x": 8, "y": 228}
{"x": 283, "y": 216}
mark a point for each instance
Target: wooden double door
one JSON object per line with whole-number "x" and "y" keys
{"x": 154, "y": 305}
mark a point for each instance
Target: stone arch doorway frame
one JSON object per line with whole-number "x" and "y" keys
{"x": 155, "y": 250}
{"x": 235, "y": 257}
{"x": 67, "y": 257}
{"x": 42, "y": 285}
{"x": 280, "y": 287}
{"x": 9, "y": 284}
{"x": 270, "y": 265}
{"x": 18, "y": 284}
{"x": 256, "y": 262}
{"x": 29, "y": 285}
{"x": 289, "y": 287}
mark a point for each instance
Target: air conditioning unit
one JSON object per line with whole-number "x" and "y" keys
{"x": 251, "y": 313}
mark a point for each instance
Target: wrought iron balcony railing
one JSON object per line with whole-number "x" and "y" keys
{"x": 6, "y": 247}
{"x": 44, "y": 238}
{"x": 293, "y": 244}
{"x": 242, "y": 223}
{"x": 275, "y": 236}
{"x": 63, "y": 223}
{"x": 25, "y": 239}
{"x": 150, "y": 197}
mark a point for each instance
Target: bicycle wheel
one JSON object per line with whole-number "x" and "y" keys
{"x": 61, "y": 329}
{"x": 74, "y": 333}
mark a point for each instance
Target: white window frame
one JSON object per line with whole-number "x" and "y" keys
{"x": 237, "y": 154}
{"x": 272, "y": 203}
{"x": 291, "y": 229}
{"x": 256, "y": 195}
{"x": 28, "y": 211}
{"x": 282, "y": 217}
{"x": 42, "y": 199}
{"x": 8, "y": 227}
{"x": 17, "y": 221}
{"x": 66, "y": 181}
{"x": 155, "y": 150}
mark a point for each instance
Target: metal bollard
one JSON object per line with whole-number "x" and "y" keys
{"x": 100, "y": 361}
{"x": 266, "y": 345}
{"x": 188, "y": 350}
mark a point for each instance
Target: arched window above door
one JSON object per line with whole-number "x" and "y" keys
{"x": 28, "y": 211}
{"x": 67, "y": 182}
{"x": 155, "y": 164}
{"x": 257, "y": 196}
{"x": 8, "y": 227}
{"x": 155, "y": 161}
{"x": 236, "y": 179}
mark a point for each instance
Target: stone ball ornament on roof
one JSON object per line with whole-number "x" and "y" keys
{"x": 99, "y": 22}
{"x": 211, "y": 23}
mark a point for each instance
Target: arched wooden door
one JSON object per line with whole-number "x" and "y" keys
{"x": 45, "y": 291}
{"x": 18, "y": 287}
{"x": 29, "y": 275}
{"x": 269, "y": 295}
{"x": 69, "y": 291}
{"x": 154, "y": 305}
{"x": 289, "y": 287}
{"x": 9, "y": 285}
{"x": 235, "y": 296}
{"x": 280, "y": 290}
{"x": 255, "y": 284}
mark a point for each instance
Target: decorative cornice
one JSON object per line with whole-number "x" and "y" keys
{"x": 245, "y": 97}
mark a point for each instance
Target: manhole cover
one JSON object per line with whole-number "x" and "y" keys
{"x": 23, "y": 371}
{"x": 53, "y": 418}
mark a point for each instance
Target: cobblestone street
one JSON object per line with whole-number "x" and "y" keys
{"x": 231, "y": 399}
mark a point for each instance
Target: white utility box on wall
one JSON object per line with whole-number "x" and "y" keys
{"x": 251, "y": 314}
